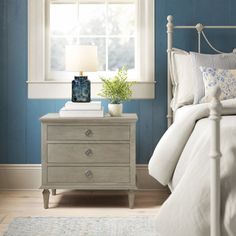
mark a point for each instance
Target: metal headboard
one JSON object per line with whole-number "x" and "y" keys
{"x": 170, "y": 30}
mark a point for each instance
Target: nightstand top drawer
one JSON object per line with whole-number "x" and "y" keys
{"x": 55, "y": 118}
{"x": 87, "y": 132}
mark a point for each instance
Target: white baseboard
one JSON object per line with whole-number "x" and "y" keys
{"x": 28, "y": 176}
{"x": 20, "y": 176}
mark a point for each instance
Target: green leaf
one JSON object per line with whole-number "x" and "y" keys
{"x": 117, "y": 89}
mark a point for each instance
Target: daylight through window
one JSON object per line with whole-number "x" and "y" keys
{"x": 110, "y": 25}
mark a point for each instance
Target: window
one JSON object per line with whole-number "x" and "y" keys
{"x": 101, "y": 23}
{"x": 123, "y": 31}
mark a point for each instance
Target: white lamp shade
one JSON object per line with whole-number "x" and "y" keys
{"x": 81, "y": 58}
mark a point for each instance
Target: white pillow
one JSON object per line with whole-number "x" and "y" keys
{"x": 223, "y": 61}
{"x": 182, "y": 79}
{"x": 225, "y": 79}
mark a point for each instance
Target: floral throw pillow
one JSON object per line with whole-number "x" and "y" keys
{"x": 225, "y": 79}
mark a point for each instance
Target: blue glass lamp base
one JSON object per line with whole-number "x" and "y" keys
{"x": 81, "y": 89}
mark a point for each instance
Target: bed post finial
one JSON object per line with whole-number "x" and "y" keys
{"x": 215, "y": 92}
{"x": 215, "y": 105}
{"x": 215, "y": 154}
{"x": 170, "y": 29}
{"x": 170, "y": 18}
{"x": 170, "y": 25}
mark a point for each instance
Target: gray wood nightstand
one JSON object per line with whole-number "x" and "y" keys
{"x": 88, "y": 154}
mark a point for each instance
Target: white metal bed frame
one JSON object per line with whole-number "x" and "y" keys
{"x": 215, "y": 115}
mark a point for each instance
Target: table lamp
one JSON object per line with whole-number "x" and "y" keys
{"x": 81, "y": 58}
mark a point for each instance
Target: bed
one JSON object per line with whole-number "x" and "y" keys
{"x": 196, "y": 157}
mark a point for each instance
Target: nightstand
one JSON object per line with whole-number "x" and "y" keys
{"x": 88, "y": 154}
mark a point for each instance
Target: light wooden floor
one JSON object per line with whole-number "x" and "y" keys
{"x": 76, "y": 203}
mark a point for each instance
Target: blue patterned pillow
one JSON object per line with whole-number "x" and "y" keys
{"x": 225, "y": 79}
{"x": 226, "y": 61}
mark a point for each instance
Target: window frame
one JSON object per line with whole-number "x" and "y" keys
{"x": 39, "y": 87}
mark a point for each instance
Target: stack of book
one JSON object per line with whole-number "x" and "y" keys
{"x": 82, "y": 109}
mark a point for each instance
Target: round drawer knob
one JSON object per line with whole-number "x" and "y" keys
{"x": 88, "y": 173}
{"x": 89, "y": 152}
{"x": 88, "y": 132}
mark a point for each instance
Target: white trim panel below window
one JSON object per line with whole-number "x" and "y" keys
{"x": 62, "y": 90}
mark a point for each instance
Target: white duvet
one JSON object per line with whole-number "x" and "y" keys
{"x": 181, "y": 159}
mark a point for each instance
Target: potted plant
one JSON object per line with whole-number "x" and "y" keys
{"x": 117, "y": 90}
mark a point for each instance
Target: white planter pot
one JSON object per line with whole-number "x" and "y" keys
{"x": 115, "y": 109}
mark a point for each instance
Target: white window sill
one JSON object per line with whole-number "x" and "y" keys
{"x": 62, "y": 90}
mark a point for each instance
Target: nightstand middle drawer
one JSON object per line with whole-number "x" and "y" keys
{"x": 88, "y": 153}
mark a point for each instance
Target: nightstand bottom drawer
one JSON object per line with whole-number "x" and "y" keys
{"x": 88, "y": 174}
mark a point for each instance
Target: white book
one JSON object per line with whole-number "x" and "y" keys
{"x": 94, "y": 105}
{"x": 81, "y": 113}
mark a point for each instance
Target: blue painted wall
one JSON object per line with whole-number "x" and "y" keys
{"x": 19, "y": 117}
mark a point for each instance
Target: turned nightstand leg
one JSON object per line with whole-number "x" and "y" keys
{"x": 46, "y": 194}
{"x": 131, "y": 199}
{"x": 54, "y": 192}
